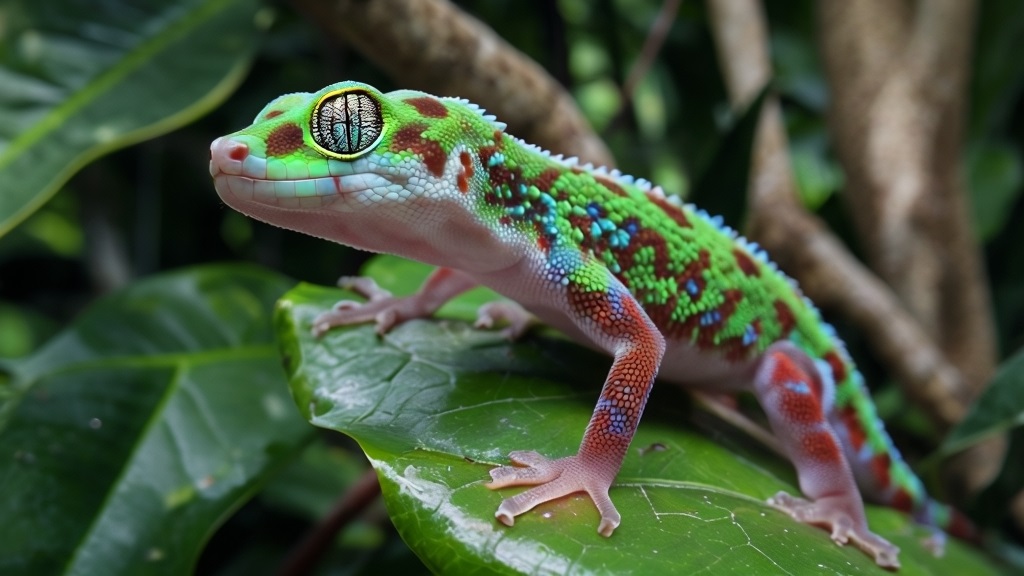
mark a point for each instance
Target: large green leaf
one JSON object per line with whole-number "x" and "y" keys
{"x": 129, "y": 437}
{"x": 80, "y": 78}
{"x": 999, "y": 410}
{"x": 435, "y": 404}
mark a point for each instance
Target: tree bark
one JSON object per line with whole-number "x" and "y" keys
{"x": 802, "y": 245}
{"x": 432, "y": 45}
{"x": 898, "y": 73}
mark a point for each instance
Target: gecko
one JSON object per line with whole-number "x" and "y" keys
{"x": 611, "y": 261}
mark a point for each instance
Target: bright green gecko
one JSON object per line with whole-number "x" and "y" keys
{"x": 610, "y": 261}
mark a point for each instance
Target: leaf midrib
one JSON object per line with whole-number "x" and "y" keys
{"x": 132, "y": 61}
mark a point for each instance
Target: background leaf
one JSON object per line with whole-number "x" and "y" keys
{"x": 435, "y": 404}
{"x": 999, "y": 408}
{"x": 79, "y": 79}
{"x": 127, "y": 439}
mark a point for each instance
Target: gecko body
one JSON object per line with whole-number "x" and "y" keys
{"x": 609, "y": 260}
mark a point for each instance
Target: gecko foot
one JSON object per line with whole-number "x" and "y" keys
{"x": 385, "y": 310}
{"x": 517, "y": 318}
{"x": 553, "y": 479}
{"x": 830, "y": 513}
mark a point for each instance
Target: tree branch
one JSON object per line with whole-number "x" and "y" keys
{"x": 898, "y": 73}
{"x": 305, "y": 556}
{"x": 433, "y": 45}
{"x": 801, "y": 244}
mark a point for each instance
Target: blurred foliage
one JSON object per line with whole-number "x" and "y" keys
{"x": 100, "y": 185}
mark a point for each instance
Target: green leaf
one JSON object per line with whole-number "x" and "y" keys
{"x": 722, "y": 188}
{"x": 435, "y": 404}
{"x": 128, "y": 438}
{"x": 998, "y": 74}
{"x": 1000, "y": 408}
{"x": 79, "y": 79}
{"x": 995, "y": 173}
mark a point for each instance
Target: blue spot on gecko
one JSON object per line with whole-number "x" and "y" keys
{"x": 749, "y": 335}
{"x": 710, "y": 317}
{"x": 798, "y": 387}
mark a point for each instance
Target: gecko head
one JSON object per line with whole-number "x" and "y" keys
{"x": 349, "y": 148}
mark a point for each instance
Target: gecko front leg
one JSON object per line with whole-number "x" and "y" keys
{"x": 386, "y": 310}
{"x": 602, "y": 307}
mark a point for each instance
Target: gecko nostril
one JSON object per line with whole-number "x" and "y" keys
{"x": 238, "y": 151}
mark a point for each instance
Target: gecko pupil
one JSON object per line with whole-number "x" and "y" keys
{"x": 347, "y": 123}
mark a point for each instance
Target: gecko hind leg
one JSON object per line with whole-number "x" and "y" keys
{"x": 790, "y": 389}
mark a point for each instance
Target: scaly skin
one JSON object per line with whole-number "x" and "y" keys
{"x": 609, "y": 260}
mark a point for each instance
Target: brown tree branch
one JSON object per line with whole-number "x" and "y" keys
{"x": 305, "y": 556}
{"x": 433, "y": 45}
{"x": 803, "y": 245}
{"x": 652, "y": 46}
{"x": 898, "y": 73}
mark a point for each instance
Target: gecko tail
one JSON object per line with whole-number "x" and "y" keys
{"x": 945, "y": 518}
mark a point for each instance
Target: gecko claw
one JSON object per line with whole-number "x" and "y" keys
{"x": 518, "y": 319}
{"x": 553, "y": 479}
{"x": 364, "y": 286}
{"x": 830, "y": 513}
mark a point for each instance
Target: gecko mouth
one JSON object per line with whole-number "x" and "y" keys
{"x": 241, "y": 178}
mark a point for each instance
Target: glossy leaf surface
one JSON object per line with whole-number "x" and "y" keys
{"x": 435, "y": 404}
{"x": 128, "y": 438}
{"x": 79, "y": 79}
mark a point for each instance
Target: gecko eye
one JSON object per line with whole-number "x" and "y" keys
{"x": 346, "y": 124}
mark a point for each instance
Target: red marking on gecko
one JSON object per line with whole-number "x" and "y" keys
{"x": 467, "y": 171}
{"x": 800, "y": 406}
{"x": 411, "y": 138}
{"x": 787, "y": 321}
{"x": 746, "y": 263}
{"x": 821, "y": 446}
{"x": 239, "y": 151}
{"x": 284, "y": 140}
{"x": 467, "y": 163}
{"x": 545, "y": 181}
{"x": 485, "y": 154}
{"x": 837, "y": 365}
{"x": 705, "y": 334}
{"x": 502, "y": 176}
{"x": 848, "y": 415}
{"x": 611, "y": 185}
{"x": 880, "y": 466}
{"x": 337, "y": 183}
{"x": 961, "y": 527}
{"x": 272, "y": 114}
{"x": 671, "y": 210}
{"x": 902, "y": 500}
{"x": 429, "y": 107}
{"x": 659, "y": 312}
